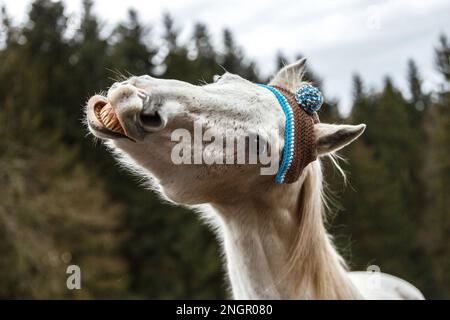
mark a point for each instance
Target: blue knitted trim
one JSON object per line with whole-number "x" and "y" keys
{"x": 288, "y": 151}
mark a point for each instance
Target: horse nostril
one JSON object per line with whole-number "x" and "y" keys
{"x": 152, "y": 121}
{"x": 149, "y": 118}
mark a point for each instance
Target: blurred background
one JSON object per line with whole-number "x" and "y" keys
{"x": 64, "y": 201}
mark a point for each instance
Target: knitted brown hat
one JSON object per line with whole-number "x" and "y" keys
{"x": 304, "y": 139}
{"x": 300, "y": 143}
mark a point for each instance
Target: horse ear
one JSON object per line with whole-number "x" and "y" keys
{"x": 289, "y": 76}
{"x": 332, "y": 137}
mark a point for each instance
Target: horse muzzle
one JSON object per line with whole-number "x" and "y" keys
{"x": 126, "y": 112}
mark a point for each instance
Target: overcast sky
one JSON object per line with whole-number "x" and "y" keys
{"x": 374, "y": 38}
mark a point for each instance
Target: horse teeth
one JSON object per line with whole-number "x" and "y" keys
{"x": 109, "y": 119}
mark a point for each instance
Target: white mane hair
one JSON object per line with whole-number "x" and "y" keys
{"x": 313, "y": 253}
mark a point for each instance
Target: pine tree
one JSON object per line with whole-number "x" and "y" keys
{"x": 90, "y": 53}
{"x": 363, "y": 108}
{"x": 436, "y": 175}
{"x": 233, "y": 59}
{"x": 442, "y": 54}
{"x": 170, "y": 33}
{"x": 384, "y": 168}
{"x": 132, "y": 50}
{"x": 176, "y": 62}
{"x": 415, "y": 86}
{"x": 206, "y": 59}
{"x": 358, "y": 87}
{"x": 280, "y": 61}
{"x": 53, "y": 210}
{"x": 8, "y": 34}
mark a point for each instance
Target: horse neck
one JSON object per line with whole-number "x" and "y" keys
{"x": 276, "y": 246}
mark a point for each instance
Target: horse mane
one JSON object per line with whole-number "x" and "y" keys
{"x": 314, "y": 260}
{"x": 319, "y": 268}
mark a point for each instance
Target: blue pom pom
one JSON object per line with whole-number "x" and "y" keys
{"x": 309, "y": 98}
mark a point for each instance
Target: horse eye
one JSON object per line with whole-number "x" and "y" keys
{"x": 216, "y": 78}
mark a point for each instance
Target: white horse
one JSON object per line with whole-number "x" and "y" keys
{"x": 273, "y": 236}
